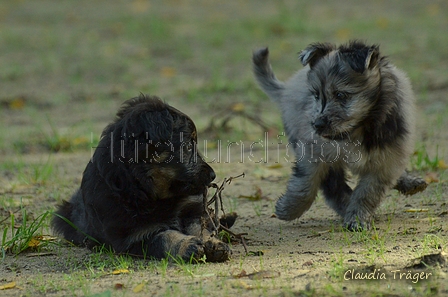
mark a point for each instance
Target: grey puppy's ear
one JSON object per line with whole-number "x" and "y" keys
{"x": 372, "y": 57}
{"x": 314, "y": 52}
{"x": 359, "y": 56}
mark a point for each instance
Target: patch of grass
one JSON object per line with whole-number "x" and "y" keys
{"x": 187, "y": 267}
{"x": 258, "y": 208}
{"x": 338, "y": 266}
{"x": 41, "y": 172}
{"x": 422, "y": 161}
{"x": 163, "y": 267}
{"x": 25, "y": 235}
{"x": 431, "y": 242}
{"x": 36, "y": 173}
{"x": 54, "y": 141}
{"x": 30, "y": 173}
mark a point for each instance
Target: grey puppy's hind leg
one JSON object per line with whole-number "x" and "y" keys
{"x": 410, "y": 185}
{"x": 336, "y": 191}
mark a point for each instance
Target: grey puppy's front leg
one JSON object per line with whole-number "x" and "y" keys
{"x": 301, "y": 191}
{"x": 366, "y": 197}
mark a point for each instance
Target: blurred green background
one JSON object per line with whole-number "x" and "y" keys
{"x": 66, "y": 66}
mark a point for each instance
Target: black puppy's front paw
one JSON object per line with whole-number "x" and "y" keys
{"x": 190, "y": 248}
{"x": 216, "y": 250}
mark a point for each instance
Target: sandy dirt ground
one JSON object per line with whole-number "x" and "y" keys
{"x": 54, "y": 109}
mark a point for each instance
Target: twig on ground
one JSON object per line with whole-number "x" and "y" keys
{"x": 213, "y": 214}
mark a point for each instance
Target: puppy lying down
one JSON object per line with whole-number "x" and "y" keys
{"x": 142, "y": 191}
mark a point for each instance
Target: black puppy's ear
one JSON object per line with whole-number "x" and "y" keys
{"x": 314, "y": 52}
{"x": 145, "y": 118}
{"x": 156, "y": 125}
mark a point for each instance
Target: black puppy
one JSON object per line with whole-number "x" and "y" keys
{"x": 142, "y": 192}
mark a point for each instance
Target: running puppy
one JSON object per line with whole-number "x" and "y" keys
{"x": 348, "y": 109}
{"x": 142, "y": 192}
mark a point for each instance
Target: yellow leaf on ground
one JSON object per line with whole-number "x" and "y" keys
{"x": 140, "y": 6}
{"x": 17, "y": 103}
{"x": 120, "y": 271}
{"x": 35, "y": 242}
{"x": 241, "y": 285}
{"x": 138, "y": 288}
{"x": 238, "y": 107}
{"x": 263, "y": 274}
{"x": 442, "y": 165}
{"x": 80, "y": 140}
{"x": 275, "y": 166}
{"x": 266, "y": 172}
{"x": 343, "y": 34}
{"x": 431, "y": 177}
{"x": 168, "y": 71}
{"x": 383, "y": 23}
{"x": 417, "y": 210}
{"x": 8, "y": 286}
{"x": 257, "y": 195}
{"x": 433, "y": 9}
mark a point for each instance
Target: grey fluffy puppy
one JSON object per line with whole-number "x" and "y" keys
{"x": 348, "y": 109}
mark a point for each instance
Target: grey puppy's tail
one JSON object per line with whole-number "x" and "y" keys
{"x": 265, "y": 76}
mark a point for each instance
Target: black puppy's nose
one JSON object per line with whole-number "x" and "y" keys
{"x": 320, "y": 123}
{"x": 212, "y": 175}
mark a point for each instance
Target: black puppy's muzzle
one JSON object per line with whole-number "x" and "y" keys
{"x": 212, "y": 175}
{"x": 208, "y": 173}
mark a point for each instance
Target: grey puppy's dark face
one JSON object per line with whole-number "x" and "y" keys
{"x": 344, "y": 85}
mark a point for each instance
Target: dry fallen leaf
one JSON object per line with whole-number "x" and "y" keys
{"x": 417, "y": 210}
{"x": 40, "y": 254}
{"x": 8, "y": 286}
{"x": 242, "y": 285}
{"x": 433, "y": 9}
{"x": 258, "y": 274}
{"x": 442, "y": 165}
{"x": 263, "y": 274}
{"x": 17, "y": 103}
{"x": 431, "y": 177}
{"x": 382, "y": 23}
{"x": 35, "y": 242}
{"x": 81, "y": 140}
{"x": 243, "y": 273}
{"x": 140, "y": 6}
{"x": 266, "y": 172}
{"x": 302, "y": 272}
{"x": 238, "y": 107}
{"x": 138, "y": 288}
{"x": 168, "y": 72}
{"x": 275, "y": 166}
{"x": 257, "y": 195}
{"x": 120, "y": 271}
{"x": 118, "y": 286}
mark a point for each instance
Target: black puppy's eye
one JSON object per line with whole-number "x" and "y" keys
{"x": 316, "y": 96}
